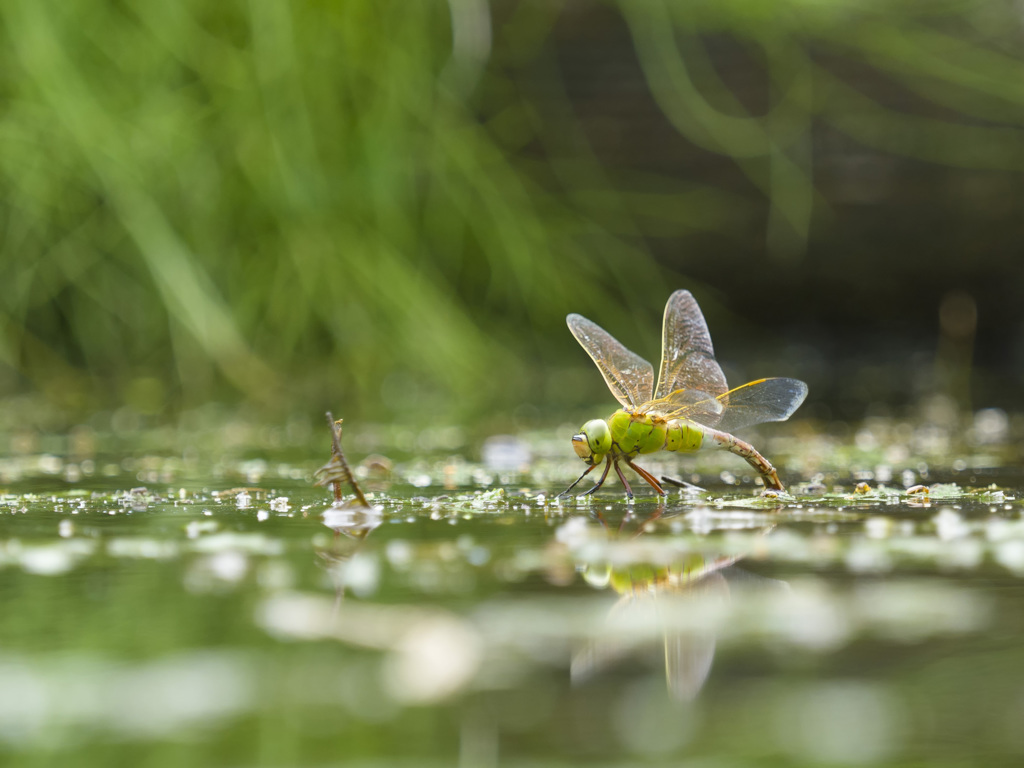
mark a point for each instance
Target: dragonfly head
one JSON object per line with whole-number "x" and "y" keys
{"x": 593, "y": 441}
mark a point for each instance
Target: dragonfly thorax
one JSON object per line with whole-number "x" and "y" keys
{"x": 626, "y": 433}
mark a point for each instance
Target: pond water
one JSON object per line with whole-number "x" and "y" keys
{"x": 168, "y": 612}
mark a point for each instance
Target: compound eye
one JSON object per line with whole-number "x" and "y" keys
{"x": 598, "y": 435}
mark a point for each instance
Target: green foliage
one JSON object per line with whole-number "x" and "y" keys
{"x": 358, "y": 204}
{"x": 287, "y": 199}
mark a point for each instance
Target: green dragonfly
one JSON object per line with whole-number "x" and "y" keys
{"x": 690, "y": 408}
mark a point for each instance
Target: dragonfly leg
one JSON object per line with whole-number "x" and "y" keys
{"x": 681, "y": 484}
{"x": 622, "y": 477}
{"x": 647, "y": 476}
{"x": 587, "y": 472}
{"x": 755, "y": 459}
{"x": 607, "y": 466}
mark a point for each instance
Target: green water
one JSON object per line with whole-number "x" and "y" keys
{"x": 166, "y": 612}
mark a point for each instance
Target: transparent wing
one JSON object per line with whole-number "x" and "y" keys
{"x": 629, "y": 376}
{"x": 693, "y": 404}
{"x": 687, "y": 357}
{"x": 754, "y": 403}
{"x": 761, "y": 401}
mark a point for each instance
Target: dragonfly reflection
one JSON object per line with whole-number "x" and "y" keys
{"x": 651, "y": 616}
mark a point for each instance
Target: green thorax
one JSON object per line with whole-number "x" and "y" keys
{"x": 634, "y": 433}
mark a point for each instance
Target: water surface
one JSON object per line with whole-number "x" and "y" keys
{"x": 167, "y": 612}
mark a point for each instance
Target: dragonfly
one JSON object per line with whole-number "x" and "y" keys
{"x": 691, "y": 407}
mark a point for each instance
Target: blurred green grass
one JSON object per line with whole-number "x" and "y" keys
{"x": 361, "y": 205}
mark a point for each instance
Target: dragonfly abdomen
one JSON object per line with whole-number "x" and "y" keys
{"x": 684, "y": 436}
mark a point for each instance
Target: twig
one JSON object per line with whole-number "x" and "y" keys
{"x": 336, "y": 471}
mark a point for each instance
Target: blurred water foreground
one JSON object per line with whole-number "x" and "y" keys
{"x": 207, "y": 605}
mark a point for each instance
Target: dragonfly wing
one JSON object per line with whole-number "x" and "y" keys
{"x": 687, "y": 357}
{"x": 754, "y": 403}
{"x": 692, "y": 404}
{"x": 629, "y": 376}
{"x": 761, "y": 401}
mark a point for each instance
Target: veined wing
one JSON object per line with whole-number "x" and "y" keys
{"x": 629, "y": 376}
{"x": 687, "y": 357}
{"x": 693, "y": 404}
{"x": 754, "y": 403}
